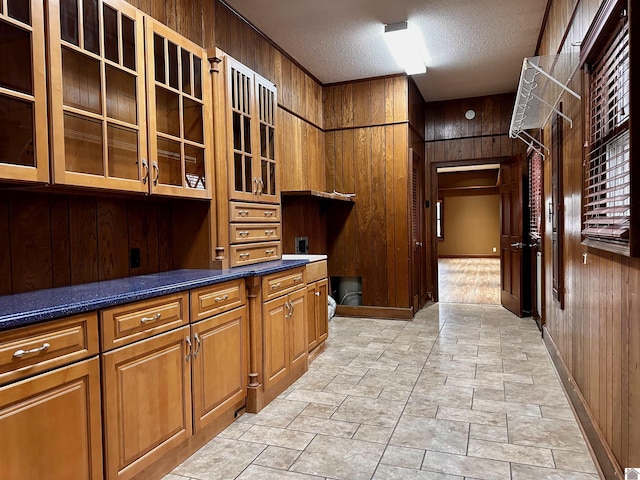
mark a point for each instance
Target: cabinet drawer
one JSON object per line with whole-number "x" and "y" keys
{"x": 253, "y": 212}
{"x": 278, "y": 284}
{"x": 127, "y": 323}
{"x": 254, "y": 253}
{"x": 316, "y": 271}
{"x": 255, "y": 232}
{"x": 33, "y": 349}
{"x": 215, "y": 299}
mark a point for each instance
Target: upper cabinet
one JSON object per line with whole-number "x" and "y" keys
{"x": 251, "y": 106}
{"x": 120, "y": 120}
{"x": 23, "y": 96}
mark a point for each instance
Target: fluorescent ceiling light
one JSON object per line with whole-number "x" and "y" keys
{"x": 406, "y": 47}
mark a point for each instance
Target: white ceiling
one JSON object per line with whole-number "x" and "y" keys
{"x": 476, "y": 47}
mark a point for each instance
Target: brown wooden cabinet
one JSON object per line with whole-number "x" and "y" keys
{"x": 147, "y": 401}
{"x": 50, "y": 423}
{"x": 317, "y": 313}
{"x": 285, "y": 339}
{"x": 120, "y": 120}
{"x": 23, "y": 95}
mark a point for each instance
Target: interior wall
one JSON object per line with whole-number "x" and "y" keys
{"x": 471, "y": 224}
{"x": 599, "y": 328}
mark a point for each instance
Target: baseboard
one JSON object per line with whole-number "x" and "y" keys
{"x": 392, "y": 313}
{"x": 469, "y": 256}
{"x": 606, "y": 462}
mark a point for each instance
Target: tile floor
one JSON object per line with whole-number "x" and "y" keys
{"x": 461, "y": 392}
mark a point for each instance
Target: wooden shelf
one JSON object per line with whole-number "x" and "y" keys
{"x": 317, "y": 194}
{"x": 471, "y": 187}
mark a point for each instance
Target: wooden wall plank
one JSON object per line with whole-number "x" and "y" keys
{"x": 363, "y": 211}
{"x": 5, "y": 247}
{"x": 136, "y": 219}
{"x": 83, "y": 240}
{"x": 379, "y": 216}
{"x": 153, "y": 237}
{"x": 390, "y": 229}
{"x": 401, "y": 202}
{"x": 60, "y": 245}
{"x": 165, "y": 238}
{"x": 113, "y": 254}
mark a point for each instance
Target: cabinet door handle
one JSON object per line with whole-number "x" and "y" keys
{"x": 21, "y": 353}
{"x": 243, "y": 233}
{"x": 268, "y": 213}
{"x": 317, "y": 294}
{"x": 298, "y": 278}
{"x": 243, "y": 213}
{"x": 288, "y": 307}
{"x": 187, "y": 339}
{"x": 292, "y": 307}
{"x": 144, "y": 320}
{"x": 145, "y": 177}
{"x": 244, "y": 255}
{"x": 221, "y": 299}
{"x": 255, "y": 186}
{"x": 261, "y": 186}
{"x": 275, "y": 285}
{"x": 156, "y": 169}
{"x": 198, "y": 344}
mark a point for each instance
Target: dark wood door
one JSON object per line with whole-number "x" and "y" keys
{"x": 511, "y": 246}
{"x": 418, "y": 264}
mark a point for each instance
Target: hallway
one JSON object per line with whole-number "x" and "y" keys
{"x": 469, "y": 280}
{"x": 462, "y": 391}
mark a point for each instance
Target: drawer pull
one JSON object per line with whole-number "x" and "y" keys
{"x": 244, "y": 234}
{"x": 144, "y": 320}
{"x": 275, "y": 285}
{"x": 298, "y": 278}
{"x": 243, "y": 213}
{"x": 21, "y": 353}
{"x": 222, "y": 298}
{"x": 268, "y": 233}
{"x": 268, "y": 213}
{"x": 244, "y": 255}
{"x": 270, "y": 252}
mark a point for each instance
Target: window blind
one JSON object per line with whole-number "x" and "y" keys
{"x": 607, "y": 199}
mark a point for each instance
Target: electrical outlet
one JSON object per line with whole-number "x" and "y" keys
{"x": 302, "y": 244}
{"x": 495, "y": 249}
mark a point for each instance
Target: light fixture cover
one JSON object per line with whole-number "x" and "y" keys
{"x": 406, "y": 46}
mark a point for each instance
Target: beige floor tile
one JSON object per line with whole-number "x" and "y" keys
{"x": 236, "y": 429}
{"x": 396, "y": 380}
{"x": 488, "y": 432}
{"x": 507, "y": 452}
{"x": 389, "y": 472}
{"x": 381, "y": 413}
{"x": 446, "y": 395}
{"x": 559, "y": 412}
{"x": 277, "y": 457}
{"x": 371, "y": 433}
{"x": 431, "y": 434}
{"x": 488, "y": 394}
{"x": 576, "y": 461}
{"x": 507, "y": 407}
{"x": 474, "y": 467}
{"x": 474, "y": 383}
{"x": 317, "y": 410}
{"x": 340, "y": 459}
{"x": 353, "y": 390}
{"x": 538, "y": 394}
{"x": 472, "y": 416}
{"x": 278, "y": 413}
{"x": 278, "y": 437}
{"x": 528, "y": 472}
{"x": 256, "y": 472}
{"x": 505, "y": 377}
{"x": 322, "y": 398}
{"x": 545, "y": 432}
{"x": 403, "y": 457}
{"x": 324, "y": 426}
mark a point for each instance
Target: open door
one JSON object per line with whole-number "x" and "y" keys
{"x": 511, "y": 232}
{"x": 418, "y": 263}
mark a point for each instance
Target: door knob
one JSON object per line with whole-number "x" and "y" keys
{"x": 517, "y": 245}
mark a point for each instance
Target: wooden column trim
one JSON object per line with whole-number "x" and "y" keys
{"x": 255, "y": 391}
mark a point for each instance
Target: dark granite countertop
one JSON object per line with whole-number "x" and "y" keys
{"x": 41, "y": 305}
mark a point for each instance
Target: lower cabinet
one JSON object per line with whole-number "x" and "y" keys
{"x": 50, "y": 425}
{"x": 317, "y": 313}
{"x": 147, "y": 401}
{"x": 285, "y": 337}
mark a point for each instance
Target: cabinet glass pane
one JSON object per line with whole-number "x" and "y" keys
{"x": 69, "y": 21}
{"x": 264, "y": 170}
{"x": 16, "y": 132}
{"x": 272, "y": 178}
{"x": 247, "y": 134}
{"x": 169, "y": 162}
{"x": 237, "y": 132}
{"x": 197, "y": 77}
{"x": 15, "y": 55}
{"x": 90, "y": 24}
{"x": 158, "y": 58}
{"x": 248, "y": 175}
{"x": 186, "y": 72}
{"x": 173, "y": 65}
{"x": 263, "y": 140}
{"x": 194, "y": 167}
{"x": 193, "y": 123}
{"x": 121, "y": 95}
{"x": 123, "y": 152}
{"x": 83, "y": 145}
{"x": 128, "y": 43}
{"x": 167, "y": 111}
{"x": 81, "y": 81}
{"x": 271, "y": 143}
{"x": 20, "y": 10}
{"x": 237, "y": 171}
{"x": 110, "y": 27}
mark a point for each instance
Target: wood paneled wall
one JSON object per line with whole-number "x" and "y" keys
{"x": 598, "y": 332}
{"x": 367, "y": 149}
{"x": 52, "y": 240}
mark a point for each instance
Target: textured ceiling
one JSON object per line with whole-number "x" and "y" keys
{"x": 476, "y": 47}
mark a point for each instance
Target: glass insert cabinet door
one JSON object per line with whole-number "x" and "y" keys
{"x": 23, "y": 107}
{"x": 178, "y": 102}
{"x": 97, "y": 101}
{"x": 251, "y": 106}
